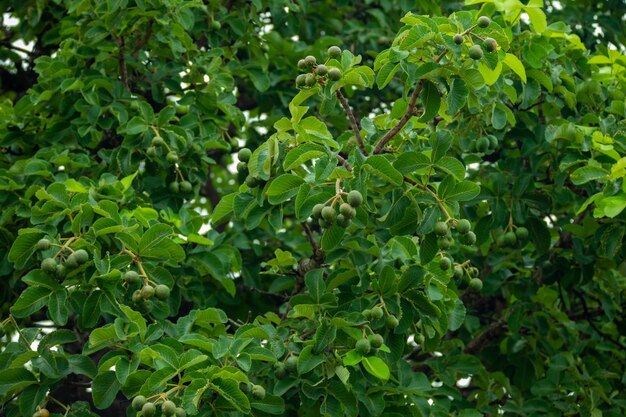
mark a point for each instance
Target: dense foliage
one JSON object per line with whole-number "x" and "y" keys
{"x": 371, "y": 208}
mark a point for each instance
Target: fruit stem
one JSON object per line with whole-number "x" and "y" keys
{"x": 59, "y": 403}
{"x": 65, "y": 246}
{"x": 477, "y": 36}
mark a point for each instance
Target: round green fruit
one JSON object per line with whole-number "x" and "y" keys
{"x": 334, "y": 74}
{"x": 392, "y": 322}
{"x": 147, "y": 292}
{"x": 510, "y": 238}
{"x": 168, "y": 408}
{"x": 60, "y": 271}
{"x": 376, "y": 340}
{"x": 325, "y": 224}
{"x": 174, "y": 187}
{"x": 258, "y": 392}
{"x": 475, "y": 52}
{"x": 152, "y": 151}
{"x": 158, "y": 141}
{"x": 329, "y": 214}
{"x": 137, "y": 298}
{"x": 301, "y": 80}
{"x": 252, "y": 182}
{"x": 440, "y": 229}
{"x": 301, "y": 64}
{"x": 521, "y": 232}
{"x": 444, "y": 243}
{"x": 180, "y": 412}
{"x": 43, "y": 244}
{"x": 469, "y": 238}
{"x": 355, "y": 198}
{"x": 316, "y": 213}
{"x": 81, "y": 256}
{"x": 138, "y": 402}
{"x": 463, "y": 226}
{"x": 215, "y": 25}
{"x": 44, "y": 412}
{"x": 186, "y": 187}
{"x": 244, "y": 154}
{"x": 458, "y": 272}
{"x": 493, "y": 142}
{"x": 367, "y": 313}
{"x": 377, "y": 313}
{"x": 363, "y": 346}
{"x": 476, "y": 284}
{"x": 71, "y": 261}
{"x": 310, "y": 60}
{"x": 310, "y": 80}
{"x": 490, "y": 44}
{"x": 242, "y": 167}
{"x": 482, "y": 144}
{"x": 458, "y": 39}
{"x": 49, "y": 265}
{"x": 172, "y": 157}
{"x": 162, "y": 292}
{"x": 291, "y": 363}
{"x": 321, "y": 70}
{"x": 279, "y": 370}
{"x": 445, "y": 264}
{"x": 343, "y": 221}
{"x": 334, "y": 52}
{"x": 483, "y": 21}
{"x": 131, "y": 277}
{"x": 148, "y": 410}
{"x": 347, "y": 210}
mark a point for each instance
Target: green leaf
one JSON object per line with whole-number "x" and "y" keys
{"x": 14, "y": 379}
{"x": 283, "y": 188}
{"x": 383, "y": 168}
{"x": 588, "y": 173}
{"x": 456, "y": 316}
{"x": 516, "y": 65}
{"x": 462, "y": 191}
{"x": 307, "y": 361}
{"x": 386, "y": 74}
{"x": 23, "y": 247}
{"x": 229, "y": 390}
{"x": 431, "y": 100}
{"x": 223, "y": 208}
{"x": 457, "y": 96}
{"x": 377, "y": 367}
{"x": 32, "y": 299}
{"x": 271, "y": 404}
{"x": 104, "y": 389}
{"x": 301, "y": 154}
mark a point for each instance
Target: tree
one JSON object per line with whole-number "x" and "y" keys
{"x": 203, "y": 216}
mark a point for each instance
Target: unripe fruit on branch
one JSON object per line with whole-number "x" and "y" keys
{"x": 347, "y": 210}
{"x": 148, "y": 410}
{"x": 521, "y": 233}
{"x": 310, "y": 60}
{"x": 186, "y": 187}
{"x": 291, "y": 363}
{"x": 60, "y": 271}
{"x": 310, "y": 80}
{"x": 301, "y": 80}
{"x": 376, "y": 340}
{"x": 244, "y": 154}
{"x": 321, "y": 70}
{"x": 131, "y": 277}
{"x": 355, "y": 198}
{"x": 445, "y": 264}
{"x": 334, "y": 52}
{"x": 475, "y": 52}
{"x": 258, "y": 392}
{"x": 458, "y": 272}
{"x": 81, "y": 256}
{"x": 469, "y": 238}
{"x": 168, "y": 408}
{"x": 440, "y": 229}
{"x": 158, "y": 141}
{"x": 49, "y": 265}
{"x": 174, "y": 187}
{"x": 137, "y": 296}
{"x": 147, "y": 292}
{"x": 301, "y": 64}
{"x": 377, "y": 313}
{"x": 490, "y": 44}
{"x": 180, "y": 412}
{"x": 328, "y": 214}
{"x": 138, "y": 402}
{"x": 463, "y": 226}
{"x": 483, "y": 21}
{"x": 343, "y": 221}
{"x": 363, "y": 346}
{"x": 334, "y": 74}
{"x": 172, "y": 157}
{"x": 162, "y": 292}
{"x": 458, "y": 39}
{"x": 392, "y": 322}
{"x": 43, "y": 244}
{"x": 476, "y": 284}
{"x": 444, "y": 243}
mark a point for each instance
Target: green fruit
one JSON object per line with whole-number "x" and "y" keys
{"x": 469, "y": 238}
{"x": 334, "y": 74}
{"x": 310, "y": 80}
{"x": 245, "y": 388}
{"x": 131, "y": 277}
{"x": 376, "y": 340}
{"x": 420, "y": 339}
{"x": 367, "y": 313}
{"x": 473, "y": 272}
{"x": 310, "y": 60}
{"x": 300, "y": 80}
{"x": 36, "y": 414}
{"x": 440, "y": 229}
{"x": 147, "y": 292}
{"x": 445, "y": 264}
{"x": 60, "y": 271}
{"x": 158, "y": 141}
{"x": 391, "y": 322}
{"x": 482, "y": 144}
{"x": 242, "y": 167}
{"x": 377, "y": 313}
{"x": 334, "y": 52}
{"x": 71, "y": 261}
{"x": 174, "y": 187}
{"x": 291, "y": 363}
{"x": 43, "y": 244}
{"x": 49, "y": 265}
{"x": 244, "y": 154}
{"x": 444, "y": 243}
{"x": 81, "y": 256}
{"x": 162, "y": 292}
{"x": 329, "y": 214}
{"x": 347, "y": 210}
{"x": 484, "y": 21}
{"x": 463, "y": 226}
{"x": 476, "y": 284}
{"x": 279, "y": 370}
{"x": 458, "y": 272}
{"x": 138, "y": 402}
{"x": 475, "y": 52}
{"x": 355, "y": 198}
{"x": 258, "y": 392}
{"x": 458, "y": 39}
{"x": 172, "y": 157}
{"x": 152, "y": 151}
{"x": 252, "y": 182}
{"x": 325, "y": 224}
{"x": 490, "y": 44}
{"x": 148, "y": 410}
{"x": 321, "y": 70}
{"x": 215, "y": 25}
{"x": 363, "y": 346}
{"x": 180, "y": 412}
{"x": 44, "y": 413}
{"x": 343, "y": 221}
{"x": 510, "y": 238}
{"x": 186, "y": 187}
{"x": 316, "y": 213}
{"x": 137, "y": 298}
{"x": 493, "y": 142}
{"x": 168, "y": 408}
{"x": 521, "y": 232}
{"x": 301, "y": 64}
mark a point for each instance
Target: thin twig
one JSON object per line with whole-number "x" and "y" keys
{"x": 122, "y": 59}
{"x": 343, "y": 162}
{"x": 432, "y": 193}
{"x": 144, "y": 40}
{"x": 353, "y": 121}
{"x": 16, "y": 48}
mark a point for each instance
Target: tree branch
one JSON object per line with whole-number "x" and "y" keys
{"x": 144, "y": 40}
{"x": 345, "y": 163}
{"x": 352, "y": 120}
{"x": 122, "y": 59}
{"x": 476, "y": 344}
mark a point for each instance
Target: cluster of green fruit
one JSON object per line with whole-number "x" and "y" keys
{"x": 147, "y": 292}
{"x": 476, "y": 51}
{"x": 288, "y": 366}
{"x": 318, "y": 72}
{"x": 463, "y": 226}
{"x": 149, "y": 409}
{"x": 244, "y": 156}
{"x": 327, "y": 215}
{"x": 369, "y": 344}
{"x": 257, "y": 391}
{"x": 377, "y": 313}
{"x": 485, "y": 144}
{"x": 171, "y": 157}
{"x": 511, "y": 238}
{"x": 42, "y": 412}
{"x": 59, "y": 269}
